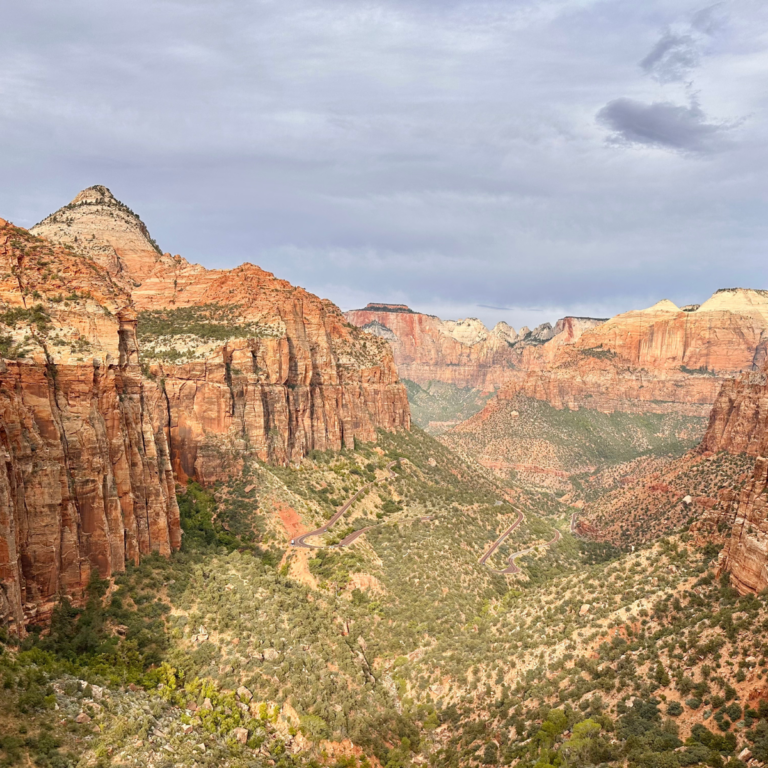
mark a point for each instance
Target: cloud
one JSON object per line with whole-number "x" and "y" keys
{"x": 708, "y": 20}
{"x": 440, "y": 154}
{"x": 672, "y": 58}
{"x": 679, "y": 52}
{"x": 663, "y": 124}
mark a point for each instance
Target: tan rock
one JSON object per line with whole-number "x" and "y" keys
{"x": 244, "y": 694}
{"x": 83, "y": 718}
{"x": 240, "y": 735}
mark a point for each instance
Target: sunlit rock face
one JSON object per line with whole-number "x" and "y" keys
{"x": 126, "y": 369}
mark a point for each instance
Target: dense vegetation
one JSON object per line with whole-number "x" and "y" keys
{"x": 238, "y": 650}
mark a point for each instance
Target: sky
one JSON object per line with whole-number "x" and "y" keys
{"x": 513, "y": 160}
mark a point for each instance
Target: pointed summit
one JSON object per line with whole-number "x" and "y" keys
{"x": 98, "y": 225}
{"x": 95, "y": 194}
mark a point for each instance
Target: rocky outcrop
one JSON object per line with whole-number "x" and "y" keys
{"x": 738, "y": 419}
{"x": 739, "y": 424}
{"x": 86, "y": 482}
{"x": 121, "y": 364}
{"x": 98, "y": 225}
{"x": 462, "y": 352}
{"x": 250, "y": 364}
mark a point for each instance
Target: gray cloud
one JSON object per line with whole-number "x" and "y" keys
{"x": 443, "y": 154}
{"x": 663, "y": 124}
{"x": 679, "y": 51}
{"x": 673, "y": 57}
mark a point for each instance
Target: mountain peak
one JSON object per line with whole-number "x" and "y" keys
{"x": 95, "y": 194}
{"x": 98, "y": 225}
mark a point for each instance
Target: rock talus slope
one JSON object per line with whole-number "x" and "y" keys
{"x": 86, "y": 481}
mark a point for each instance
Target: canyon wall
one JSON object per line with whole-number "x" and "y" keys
{"x": 463, "y": 352}
{"x": 662, "y": 359}
{"x": 86, "y": 481}
{"x": 739, "y": 423}
{"x": 125, "y": 369}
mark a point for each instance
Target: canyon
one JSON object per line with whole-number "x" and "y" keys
{"x": 463, "y": 353}
{"x": 660, "y": 359}
{"x": 126, "y": 370}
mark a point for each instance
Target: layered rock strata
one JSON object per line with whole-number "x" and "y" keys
{"x": 463, "y": 353}
{"x": 660, "y": 359}
{"x": 121, "y": 364}
{"x": 86, "y": 482}
{"x": 739, "y": 423}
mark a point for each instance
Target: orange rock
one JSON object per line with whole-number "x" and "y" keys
{"x": 89, "y": 444}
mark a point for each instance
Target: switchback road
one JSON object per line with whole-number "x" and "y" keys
{"x": 301, "y": 541}
{"x": 512, "y": 567}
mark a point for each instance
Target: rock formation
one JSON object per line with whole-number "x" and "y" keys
{"x": 86, "y": 481}
{"x": 739, "y": 423}
{"x": 463, "y": 352}
{"x": 660, "y": 359}
{"x": 121, "y": 364}
{"x": 98, "y": 225}
{"x": 250, "y": 364}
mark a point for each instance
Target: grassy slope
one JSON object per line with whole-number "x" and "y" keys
{"x": 402, "y": 642}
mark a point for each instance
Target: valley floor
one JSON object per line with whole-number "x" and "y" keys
{"x": 401, "y": 645}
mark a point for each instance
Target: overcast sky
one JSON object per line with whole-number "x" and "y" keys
{"x": 509, "y": 159}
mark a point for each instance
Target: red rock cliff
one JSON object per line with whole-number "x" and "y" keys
{"x": 86, "y": 480}
{"x": 739, "y": 423}
{"x": 250, "y": 364}
{"x": 659, "y": 359}
{"x": 463, "y": 352}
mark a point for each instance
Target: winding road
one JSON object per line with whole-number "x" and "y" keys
{"x": 301, "y": 541}
{"x": 512, "y": 566}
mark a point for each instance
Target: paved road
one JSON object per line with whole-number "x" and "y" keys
{"x": 512, "y": 567}
{"x": 496, "y": 544}
{"x": 301, "y": 541}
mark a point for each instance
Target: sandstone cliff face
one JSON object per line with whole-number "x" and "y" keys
{"x": 464, "y": 352}
{"x": 250, "y": 364}
{"x": 660, "y": 359}
{"x": 120, "y": 364}
{"x": 739, "y": 423}
{"x": 86, "y": 480}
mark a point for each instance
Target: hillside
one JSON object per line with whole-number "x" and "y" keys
{"x": 398, "y": 649}
{"x": 104, "y": 409}
{"x": 527, "y": 440}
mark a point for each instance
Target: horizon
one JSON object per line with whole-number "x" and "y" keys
{"x": 375, "y": 302}
{"x": 516, "y": 161}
